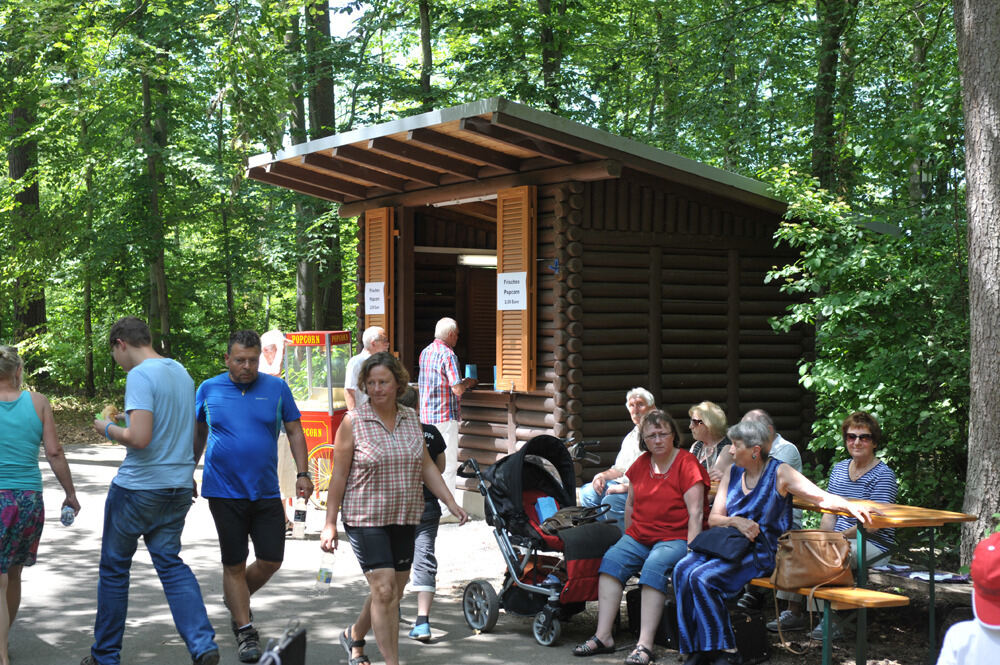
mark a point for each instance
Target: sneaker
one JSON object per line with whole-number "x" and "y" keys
{"x": 88, "y": 660}
{"x": 248, "y": 645}
{"x": 234, "y": 627}
{"x": 421, "y": 632}
{"x": 817, "y": 633}
{"x": 788, "y": 621}
{"x": 207, "y": 658}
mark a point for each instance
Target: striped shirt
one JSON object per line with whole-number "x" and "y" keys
{"x": 438, "y": 373}
{"x": 878, "y": 484}
{"x": 384, "y": 485}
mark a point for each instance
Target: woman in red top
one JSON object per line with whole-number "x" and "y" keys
{"x": 667, "y": 506}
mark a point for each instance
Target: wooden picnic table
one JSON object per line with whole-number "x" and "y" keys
{"x": 897, "y": 516}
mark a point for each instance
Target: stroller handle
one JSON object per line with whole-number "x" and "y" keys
{"x": 468, "y": 469}
{"x": 578, "y": 451}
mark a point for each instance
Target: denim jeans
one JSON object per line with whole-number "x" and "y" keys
{"x": 157, "y": 516}
{"x": 616, "y": 515}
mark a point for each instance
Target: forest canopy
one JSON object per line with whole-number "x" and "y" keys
{"x": 129, "y": 126}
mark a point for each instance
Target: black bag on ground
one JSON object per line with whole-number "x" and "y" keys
{"x": 751, "y": 637}
{"x": 289, "y": 649}
{"x": 666, "y": 632}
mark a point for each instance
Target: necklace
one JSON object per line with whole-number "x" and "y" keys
{"x": 746, "y": 483}
{"x": 661, "y": 476}
{"x": 854, "y": 472}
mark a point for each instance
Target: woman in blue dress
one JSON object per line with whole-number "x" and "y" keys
{"x": 755, "y": 496}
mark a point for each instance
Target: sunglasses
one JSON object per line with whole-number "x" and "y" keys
{"x": 863, "y": 438}
{"x": 696, "y": 421}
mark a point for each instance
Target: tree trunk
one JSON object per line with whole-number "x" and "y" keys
{"x": 426, "y": 55}
{"x": 977, "y": 24}
{"x": 22, "y": 161}
{"x": 551, "y": 55}
{"x": 154, "y": 127}
{"x": 322, "y": 115}
{"x": 832, "y": 19}
{"x": 227, "y": 240}
{"x": 89, "y": 387}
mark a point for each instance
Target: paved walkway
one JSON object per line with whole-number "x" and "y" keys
{"x": 54, "y": 626}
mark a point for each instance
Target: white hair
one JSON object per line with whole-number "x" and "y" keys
{"x": 370, "y": 335}
{"x": 445, "y": 327}
{"x": 641, "y": 393}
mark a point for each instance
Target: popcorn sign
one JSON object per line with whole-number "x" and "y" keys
{"x": 512, "y": 291}
{"x": 375, "y": 298}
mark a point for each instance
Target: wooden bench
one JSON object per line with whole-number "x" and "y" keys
{"x": 843, "y": 598}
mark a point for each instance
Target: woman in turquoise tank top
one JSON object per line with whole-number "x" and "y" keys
{"x": 25, "y": 423}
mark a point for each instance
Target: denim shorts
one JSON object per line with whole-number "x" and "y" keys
{"x": 628, "y": 557}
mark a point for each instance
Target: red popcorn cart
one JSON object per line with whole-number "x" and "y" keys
{"x": 315, "y": 368}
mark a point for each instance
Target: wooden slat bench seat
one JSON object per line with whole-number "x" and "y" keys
{"x": 842, "y": 598}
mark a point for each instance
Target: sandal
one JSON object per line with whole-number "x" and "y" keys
{"x": 348, "y": 644}
{"x": 640, "y": 656}
{"x": 583, "y": 650}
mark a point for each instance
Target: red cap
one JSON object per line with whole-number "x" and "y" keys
{"x": 986, "y": 581}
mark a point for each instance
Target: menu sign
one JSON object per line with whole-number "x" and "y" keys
{"x": 512, "y": 291}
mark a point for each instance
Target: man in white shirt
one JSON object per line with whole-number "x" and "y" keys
{"x": 610, "y": 487}
{"x": 373, "y": 340}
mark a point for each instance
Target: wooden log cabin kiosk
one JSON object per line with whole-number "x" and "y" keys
{"x": 625, "y": 266}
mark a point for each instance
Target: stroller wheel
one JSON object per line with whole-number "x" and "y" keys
{"x": 480, "y": 606}
{"x": 546, "y": 628}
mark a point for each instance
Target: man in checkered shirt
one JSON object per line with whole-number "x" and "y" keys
{"x": 441, "y": 386}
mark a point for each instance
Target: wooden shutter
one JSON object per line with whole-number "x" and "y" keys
{"x": 516, "y": 224}
{"x": 379, "y": 264}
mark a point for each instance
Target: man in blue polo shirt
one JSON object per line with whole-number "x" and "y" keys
{"x": 239, "y": 417}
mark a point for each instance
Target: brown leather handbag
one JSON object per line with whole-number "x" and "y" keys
{"x": 812, "y": 558}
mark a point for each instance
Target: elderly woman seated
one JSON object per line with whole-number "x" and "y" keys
{"x": 755, "y": 496}
{"x": 708, "y": 427}
{"x": 666, "y": 507}
{"x": 861, "y": 476}
{"x": 610, "y": 488}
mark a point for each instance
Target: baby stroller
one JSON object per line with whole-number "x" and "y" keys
{"x": 549, "y": 575}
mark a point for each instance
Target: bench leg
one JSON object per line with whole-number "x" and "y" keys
{"x": 932, "y": 629}
{"x": 861, "y": 644}
{"x": 827, "y": 632}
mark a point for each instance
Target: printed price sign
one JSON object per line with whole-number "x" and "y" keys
{"x": 512, "y": 291}
{"x": 375, "y": 298}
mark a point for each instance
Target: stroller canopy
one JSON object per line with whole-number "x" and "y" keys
{"x": 528, "y": 469}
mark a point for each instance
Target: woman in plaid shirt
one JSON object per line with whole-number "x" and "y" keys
{"x": 380, "y": 465}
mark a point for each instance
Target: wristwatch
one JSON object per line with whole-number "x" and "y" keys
{"x": 303, "y": 474}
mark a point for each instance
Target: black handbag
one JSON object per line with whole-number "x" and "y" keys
{"x": 722, "y": 542}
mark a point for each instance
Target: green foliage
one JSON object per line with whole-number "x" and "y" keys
{"x": 886, "y": 293}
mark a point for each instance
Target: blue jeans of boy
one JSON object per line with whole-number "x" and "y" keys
{"x": 156, "y": 516}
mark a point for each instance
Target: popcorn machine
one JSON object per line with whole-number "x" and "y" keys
{"x": 315, "y": 369}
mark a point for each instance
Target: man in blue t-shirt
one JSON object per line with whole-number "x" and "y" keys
{"x": 239, "y": 416}
{"x": 149, "y": 497}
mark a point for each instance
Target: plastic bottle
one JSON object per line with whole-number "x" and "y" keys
{"x": 67, "y": 516}
{"x": 299, "y": 519}
{"x": 324, "y": 575}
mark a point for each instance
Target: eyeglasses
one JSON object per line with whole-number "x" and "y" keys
{"x": 696, "y": 422}
{"x": 656, "y": 436}
{"x": 863, "y": 438}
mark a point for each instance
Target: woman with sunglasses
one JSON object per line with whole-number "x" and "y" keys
{"x": 861, "y": 476}
{"x": 707, "y": 422}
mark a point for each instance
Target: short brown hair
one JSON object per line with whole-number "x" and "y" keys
{"x": 862, "y": 419}
{"x": 390, "y": 362}
{"x": 132, "y": 330}
{"x": 658, "y": 417}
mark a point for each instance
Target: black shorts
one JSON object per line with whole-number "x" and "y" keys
{"x": 389, "y": 546}
{"x": 262, "y": 520}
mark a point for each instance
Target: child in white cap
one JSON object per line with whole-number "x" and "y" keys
{"x": 977, "y": 642}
